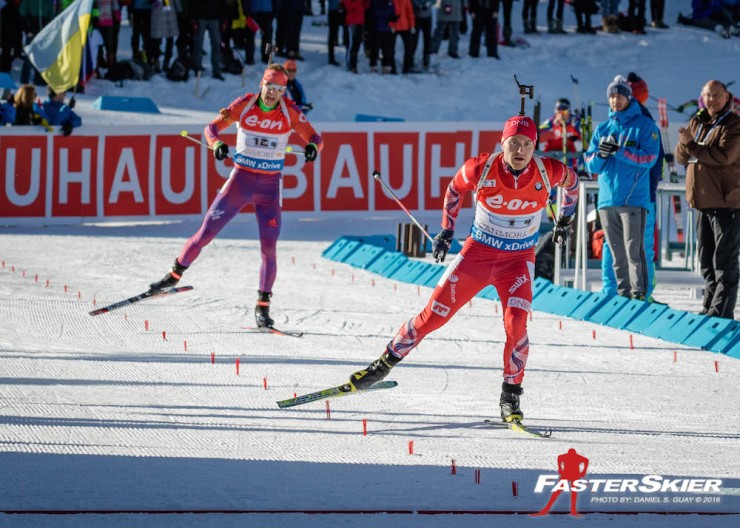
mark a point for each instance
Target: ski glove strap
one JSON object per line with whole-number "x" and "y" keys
{"x": 561, "y": 233}
{"x": 441, "y": 244}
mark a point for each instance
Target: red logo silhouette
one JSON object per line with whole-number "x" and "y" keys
{"x": 571, "y": 467}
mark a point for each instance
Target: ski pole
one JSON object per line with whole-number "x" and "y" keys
{"x": 376, "y": 175}
{"x": 184, "y": 134}
{"x": 294, "y": 150}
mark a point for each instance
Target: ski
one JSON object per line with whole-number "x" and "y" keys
{"x": 519, "y": 427}
{"x": 340, "y": 390}
{"x": 136, "y": 298}
{"x": 273, "y": 330}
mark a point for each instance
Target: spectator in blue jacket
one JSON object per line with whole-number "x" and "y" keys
{"x": 640, "y": 93}
{"x": 7, "y": 112}
{"x": 708, "y": 14}
{"x": 622, "y": 151}
{"x": 59, "y": 113}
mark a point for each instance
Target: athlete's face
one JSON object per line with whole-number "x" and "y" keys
{"x": 271, "y": 93}
{"x": 518, "y": 151}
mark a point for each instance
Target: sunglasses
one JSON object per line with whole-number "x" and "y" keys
{"x": 292, "y": 70}
{"x": 276, "y": 87}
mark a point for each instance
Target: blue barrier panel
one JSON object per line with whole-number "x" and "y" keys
{"x": 548, "y": 297}
{"x": 345, "y": 252}
{"x": 712, "y": 328}
{"x": 409, "y": 271}
{"x": 663, "y": 322}
{"x": 539, "y": 286}
{"x": 633, "y": 308}
{"x": 733, "y": 348}
{"x": 607, "y": 310}
{"x": 589, "y": 305}
{"x": 680, "y": 332}
{"x": 723, "y": 339}
{"x": 125, "y": 104}
{"x": 565, "y": 300}
{"x": 336, "y": 247}
{"x": 489, "y": 292}
{"x": 387, "y": 263}
{"x": 364, "y": 256}
{"x": 387, "y": 242}
{"x": 431, "y": 276}
{"x": 650, "y": 314}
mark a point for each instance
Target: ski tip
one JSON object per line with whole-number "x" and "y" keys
{"x": 99, "y": 311}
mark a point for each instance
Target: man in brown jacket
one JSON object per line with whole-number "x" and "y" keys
{"x": 710, "y": 147}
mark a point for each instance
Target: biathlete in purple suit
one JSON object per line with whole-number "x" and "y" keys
{"x": 264, "y": 121}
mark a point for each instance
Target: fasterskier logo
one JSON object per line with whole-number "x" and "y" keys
{"x": 572, "y": 468}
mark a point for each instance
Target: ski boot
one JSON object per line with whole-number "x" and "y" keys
{"x": 171, "y": 279}
{"x": 262, "y": 310}
{"x": 509, "y": 402}
{"x": 376, "y": 371}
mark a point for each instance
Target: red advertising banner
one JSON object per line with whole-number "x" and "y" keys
{"x": 152, "y": 172}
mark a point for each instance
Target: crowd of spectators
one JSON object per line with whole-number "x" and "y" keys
{"x": 167, "y": 35}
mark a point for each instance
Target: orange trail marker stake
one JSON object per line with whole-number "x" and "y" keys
{"x": 364, "y": 427}
{"x": 328, "y": 411}
{"x": 164, "y": 335}
{"x": 675, "y": 356}
{"x": 185, "y": 346}
{"x": 411, "y": 447}
{"x": 716, "y": 366}
{"x": 515, "y": 489}
{"x": 264, "y": 382}
{"x": 632, "y": 343}
{"x": 593, "y": 334}
{"x": 237, "y": 366}
{"x": 146, "y": 324}
{"x": 453, "y": 470}
{"x": 213, "y": 358}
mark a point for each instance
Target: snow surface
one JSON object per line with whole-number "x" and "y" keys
{"x": 102, "y": 415}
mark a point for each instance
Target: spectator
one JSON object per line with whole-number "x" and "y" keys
{"x": 529, "y": 16}
{"x": 7, "y": 110}
{"x": 710, "y": 148}
{"x": 555, "y": 23}
{"x": 295, "y": 88}
{"x": 108, "y": 23}
{"x": 563, "y": 124}
{"x": 35, "y": 14}
{"x": 506, "y": 6}
{"x": 621, "y": 152}
{"x": 708, "y": 14}
{"x": 584, "y": 9}
{"x": 334, "y": 19}
{"x": 207, "y": 14}
{"x": 11, "y": 35}
{"x": 294, "y": 10}
{"x": 27, "y": 109}
{"x": 609, "y": 286}
{"x": 404, "y": 28}
{"x": 140, "y": 15}
{"x": 60, "y": 114}
{"x": 484, "y": 14}
{"x": 610, "y": 15}
{"x": 262, "y": 12}
{"x": 354, "y": 19}
{"x": 423, "y": 19}
{"x": 636, "y": 16}
{"x": 657, "y": 8}
{"x": 449, "y": 15}
{"x": 382, "y": 40}
{"x": 164, "y": 26}
{"x": 185, "y": 39}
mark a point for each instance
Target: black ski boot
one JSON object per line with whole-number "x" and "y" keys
{"x": 509, "y": 402}
{"x": 262, "y": 310}
{"x": 376, "y": 371}
{"x": 171, "y": 279}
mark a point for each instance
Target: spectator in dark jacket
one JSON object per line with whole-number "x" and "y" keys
{"x": 423, "y": 21}
{"x": 382, "y": 39}
{"x": 449, "y": 16}
{"x": 354, "y": 19}
{"x": 484, "y": 14}
{"x": 207, "y": 14}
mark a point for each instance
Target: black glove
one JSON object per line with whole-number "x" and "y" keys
{"x": 441, "y": 244}
{"x": 561, "y": 233}
{"x": 311, "y": 152}
{"x": 72, "y": 102}
{"x": 67, "y": 128}
{"x": 669, "y": 157}
{"x": 607, "y": 147}
{"x": 220, "y": 150}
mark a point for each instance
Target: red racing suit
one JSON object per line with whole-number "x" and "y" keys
{"x": 499, "y": 250}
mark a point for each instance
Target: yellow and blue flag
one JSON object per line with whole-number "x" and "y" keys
{"x": 56, "y": 52}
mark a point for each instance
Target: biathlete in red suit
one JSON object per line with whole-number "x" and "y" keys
{"x": 264, "y": 121}
{"x": 511, "y": 190}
